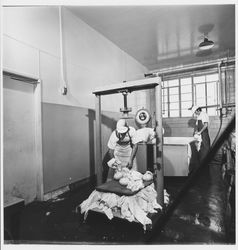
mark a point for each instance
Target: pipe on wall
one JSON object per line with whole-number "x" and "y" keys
{"x": 194, "y": 66}
{"x": 220, "y": 80}
{"x": 63, "y": 88}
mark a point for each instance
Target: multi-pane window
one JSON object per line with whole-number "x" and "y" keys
{"x": 186, "y": 96}
{"x": 171, "y": 98}
{"x": 181, "y": 93}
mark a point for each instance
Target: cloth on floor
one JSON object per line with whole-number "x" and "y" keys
{"x": 132, "y": 208}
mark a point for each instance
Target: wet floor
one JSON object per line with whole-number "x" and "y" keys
{"x": 202, "y": 216}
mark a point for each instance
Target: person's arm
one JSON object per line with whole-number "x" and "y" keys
{"x": 205, "y": 125}
{"x": 112, "y": 144}
{"x": 111, "y": 153}
{"x": 133, "y": 154}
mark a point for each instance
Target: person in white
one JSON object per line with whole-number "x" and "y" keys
{"x": 122, "y": 146}
{"x": 201, "y": 129}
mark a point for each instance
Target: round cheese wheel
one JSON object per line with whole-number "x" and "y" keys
{"x": 124, "y": 181}
{"x": 117, "y": 176}
{"x": 148, "y": 176}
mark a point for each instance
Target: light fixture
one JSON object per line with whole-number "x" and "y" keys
{"x": 206, "y": 44}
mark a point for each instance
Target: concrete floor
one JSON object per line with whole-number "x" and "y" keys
{"x": 202, "y": 217}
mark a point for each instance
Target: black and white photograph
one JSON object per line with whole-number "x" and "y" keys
{"x": 118, "y": 123}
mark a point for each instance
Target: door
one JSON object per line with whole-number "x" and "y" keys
{"x": 19, "y": 137}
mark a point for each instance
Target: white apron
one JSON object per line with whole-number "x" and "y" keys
{"x": 123, "y": 153}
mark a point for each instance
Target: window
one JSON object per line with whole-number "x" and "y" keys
{"x": 186, "y": 96}
{"x": 181, "y": 93}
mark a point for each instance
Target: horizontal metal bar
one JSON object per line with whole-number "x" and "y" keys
{"x": 129, "y": 86}
{"x": 195, "y": 66}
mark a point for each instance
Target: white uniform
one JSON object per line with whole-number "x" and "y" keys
{"x": 122, "y": 148}
{"x": 145, "y": 135}
{"x": 203, "y": 117}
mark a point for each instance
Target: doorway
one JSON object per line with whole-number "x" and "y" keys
{"x": 22, "y": 150}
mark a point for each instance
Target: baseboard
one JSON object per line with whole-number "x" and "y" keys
{"x": 71, "y": 187}
{"x": 91, "y": 181}
{"x": 53, "y": 194}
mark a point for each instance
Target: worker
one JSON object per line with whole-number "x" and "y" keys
{"x": 122, "y": 146}
{"x": 144, "y": 134}
{"x": 201, "y": 129}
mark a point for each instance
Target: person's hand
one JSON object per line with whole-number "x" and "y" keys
{"x": 129, "y": 164}
{"x": 198, "y": 133}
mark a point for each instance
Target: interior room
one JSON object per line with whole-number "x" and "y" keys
{"x": 74, "y": 76}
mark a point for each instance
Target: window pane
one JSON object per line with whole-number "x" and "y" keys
{"x": 211, "y": 93}
{"x": 213, "y": 77}
{"x": 199, "y": 79}
{"x": 186, "y": 81}
{"x": 186, "y": 89}
{"x": 174, "y": 105}
{"x": 165, "y": 110}
{"x": 186, "y": 113}
{"x": 212, "y": 111}
{"x": 172, "y": 83}
{"x": 201, "y": 102}
{"x": 165, "y": 91}
{"x": 164, "y": 98}
{"x": 173, "y": 91}
{"x": 174, "y": 98}
{"x": 200, "y": 95}
{"x": 186, "y": 105}
{"x": 165, "y": 84}
{"x": 200, "y": 90}
{"x": 165, "y": 106}
{"x": 174, "y": 113}
{"x": 186, "y": 97}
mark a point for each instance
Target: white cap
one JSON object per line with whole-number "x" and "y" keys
{"x": 194, "y": 108}
{"x": 122, "y": 126}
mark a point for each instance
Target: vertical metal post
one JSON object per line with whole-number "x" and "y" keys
{"x": 38, "y": 142}
{"x": 98, "y": 157}
{"x": 222, "y": 83}
{"x": 125, "y": 100}
{"x": 159, "y": 171}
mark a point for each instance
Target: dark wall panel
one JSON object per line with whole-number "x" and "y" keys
{"x": 66, "y": 150}
{"x": 69, "y": 141}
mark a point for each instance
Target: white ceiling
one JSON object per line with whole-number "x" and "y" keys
{"x": 164, "y": 36}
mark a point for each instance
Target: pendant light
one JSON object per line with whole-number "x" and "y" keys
{"x": 206, "y": 44}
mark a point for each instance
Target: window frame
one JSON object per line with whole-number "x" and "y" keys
{"x": 191, "y": 75}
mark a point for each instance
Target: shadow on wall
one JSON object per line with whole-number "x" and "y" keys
{"x": 109, "y": 123}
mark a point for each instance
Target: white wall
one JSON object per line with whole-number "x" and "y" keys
{"x": 31, "y": 46}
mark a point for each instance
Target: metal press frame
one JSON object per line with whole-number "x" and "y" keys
{"x": 130, "y": 86}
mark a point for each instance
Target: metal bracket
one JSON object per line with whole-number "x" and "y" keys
{"x": 125, "y": 110}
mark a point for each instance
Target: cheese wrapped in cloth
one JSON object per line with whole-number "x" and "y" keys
{"x": 132, "y": 208}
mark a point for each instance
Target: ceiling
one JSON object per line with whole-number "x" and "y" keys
{"x": 164, "y": 36}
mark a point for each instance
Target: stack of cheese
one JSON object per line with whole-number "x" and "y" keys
{"x": 132, "y": 179}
